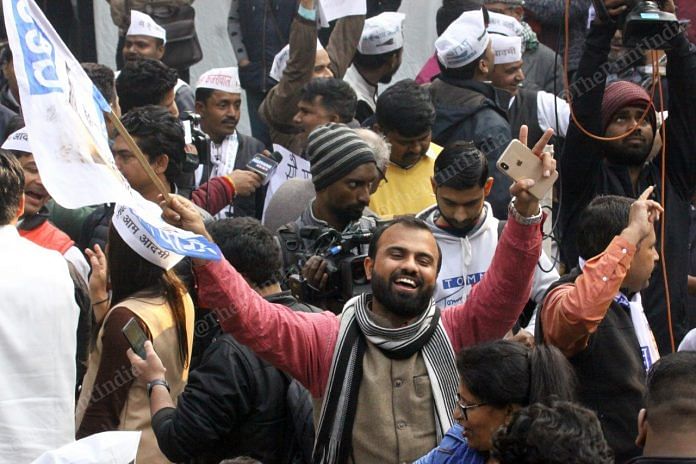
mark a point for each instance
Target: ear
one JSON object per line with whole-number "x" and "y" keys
{"x": 334, "y": 118}
{"x": 20, "y": 207}
{"x": 642, "y": 428}
{"x": 369, "y": 265}
{"x": 200, "y": 106}
{"x": 487, "y": 187}
{"x": 160, "y": 164}
{"x": 160, "y": 51}
{"x": 375, "y": 128}
{"x": 518, "y": 13}
{"x": 433, "y": 184}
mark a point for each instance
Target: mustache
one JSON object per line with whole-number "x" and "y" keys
{"x": 229, "y": 121}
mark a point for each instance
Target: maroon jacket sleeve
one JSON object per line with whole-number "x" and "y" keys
{"x": 213, "y": 195}
{"x": 301, "y": 344}
{"x": 497, "y": 301}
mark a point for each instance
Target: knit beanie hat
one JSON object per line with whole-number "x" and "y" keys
{"x": 621, "y": 94}
{"x": 334, "y": 151}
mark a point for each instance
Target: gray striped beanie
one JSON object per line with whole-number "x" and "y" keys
{"x": 334, "y": 151}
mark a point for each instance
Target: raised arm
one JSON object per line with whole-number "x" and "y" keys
{"x": 681, "y": 144}
{"x": 298, "y": 343}
{"x": 497, "y": 301}
{"x": 280, "y": 105}
{"x": 343, "y": 43}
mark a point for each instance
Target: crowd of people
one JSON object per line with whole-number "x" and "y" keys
{"x": 388, "y": 293}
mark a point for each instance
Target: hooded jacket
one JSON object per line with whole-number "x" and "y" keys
{"x": 466, "y": 259}
{"x": 472, "y": 110}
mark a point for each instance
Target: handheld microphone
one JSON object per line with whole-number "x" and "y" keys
{"x": 265, "y": 166}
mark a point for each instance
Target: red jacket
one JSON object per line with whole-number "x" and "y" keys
{"x": 302, "y": 344}
{"x": 48, "y": 236}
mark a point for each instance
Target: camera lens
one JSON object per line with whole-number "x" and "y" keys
{"x": 504, "y": 166}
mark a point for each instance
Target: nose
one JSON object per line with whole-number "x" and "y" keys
{"x": 297, "y": 119}
{"x": 364, "y": 195}
{"x": 520, "y": 75}
{"x": 458, "y": 416}
{"x": 327, "y": 73}
{"x": 461, "y": 215}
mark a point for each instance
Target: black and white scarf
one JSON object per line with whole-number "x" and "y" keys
{"x": 427, "y": 335}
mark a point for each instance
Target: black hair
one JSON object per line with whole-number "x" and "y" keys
{"x": 406, "y": 221}
{"x": 130, "y": 273}
{"x": 406, "y": 108}
{"x": 374, "y": 61}
{"x": 504, "y": 372}
{"x": 250, "y": 248}
{"x": 465, "y": 73}
{"x": 451, "y": 10}
{"x": 11, "y": 187}
{"x": 460, "y": 166}
{"x": 670, "y": 396}
{"x": 203, "y": 94}
{"x": 337, "y": 96}
{"x": 103, "y": 78}
{"x": 560, "y": 433}
{"x": 602, "y": 220}
{"x": 144, "y": 81}
{"x": 157, "y": 132}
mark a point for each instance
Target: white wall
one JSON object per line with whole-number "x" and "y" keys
{"x": 211, "y": 24}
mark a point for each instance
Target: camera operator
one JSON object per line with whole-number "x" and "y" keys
{"x": 343, "y": 170}
{"x": 218, "y": 101}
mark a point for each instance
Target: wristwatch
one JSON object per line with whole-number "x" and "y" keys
{"x": 156, "y": 382}
{"x": 525, "y": 221}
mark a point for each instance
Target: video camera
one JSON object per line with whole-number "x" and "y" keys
{"x": 345, "y": 267}
{"x": 644, "y": 24}
{"x": 194, "y": 135}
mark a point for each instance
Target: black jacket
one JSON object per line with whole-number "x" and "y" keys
{"x": 585, "y": 173}
{"x": 235, "y": 404}
{"x": 265, "y": 31}
{"x": 611, "y": 376}
{"x": 471, "y": 110}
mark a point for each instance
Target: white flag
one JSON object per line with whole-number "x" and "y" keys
{"x": 63, "y": 112}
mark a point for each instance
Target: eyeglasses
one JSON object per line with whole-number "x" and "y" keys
{"x": 465, "y": 407}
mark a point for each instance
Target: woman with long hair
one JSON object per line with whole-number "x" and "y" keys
{"x": 495, "y": 380}
{"x": 111, "y": 397}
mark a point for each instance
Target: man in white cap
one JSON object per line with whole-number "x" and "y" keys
{"x": 377, "y": 59}
{"x": 540, "y": 66}
{"x": 219, "y": 102}
{"x": 466, "y": 106}
{"x": 536, "y": 109}
{"x": 145, "y": 38}
{"x": 299, "y": 63}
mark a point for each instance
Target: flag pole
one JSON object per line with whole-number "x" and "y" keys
{"x": 138, "y": 154}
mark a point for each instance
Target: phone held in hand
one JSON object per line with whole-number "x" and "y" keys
{"x": 136, "y": 337}
{"x": 519, "y": 162}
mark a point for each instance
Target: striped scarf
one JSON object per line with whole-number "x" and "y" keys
{"x": 427, "y": 335}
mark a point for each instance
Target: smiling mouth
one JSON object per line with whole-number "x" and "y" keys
{"x": 406, "y": 283}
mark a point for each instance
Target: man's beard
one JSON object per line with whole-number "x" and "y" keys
{"x": 623, "y": 155}
{"x": 398, "y": 303}
{"x": 350, "y": 214}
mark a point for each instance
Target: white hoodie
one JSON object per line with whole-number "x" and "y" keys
{"x": 466, "y": 259}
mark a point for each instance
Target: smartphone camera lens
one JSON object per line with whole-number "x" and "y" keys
{"x": 504, "y": 166}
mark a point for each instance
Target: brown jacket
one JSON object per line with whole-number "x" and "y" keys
{"x": 280, "y": 105}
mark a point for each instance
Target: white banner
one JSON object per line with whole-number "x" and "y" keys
{"x": 292, "y": 167}
{"x": 63, "y": 113}
{"x": 329, "y": 10}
